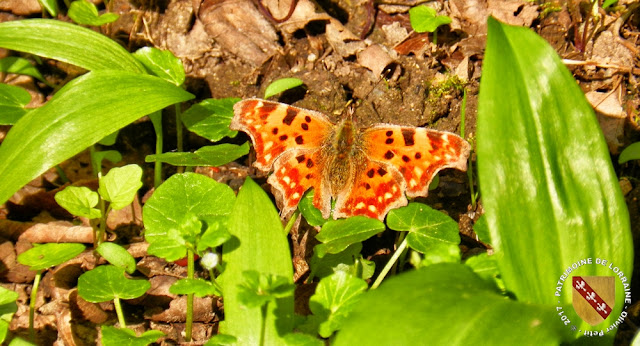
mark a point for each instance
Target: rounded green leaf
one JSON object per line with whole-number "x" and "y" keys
{"x": 79, "y": 201}
{"x": 118, "y": 256}
{"x": 427, "y": 227}
{"x": 120, "y": 185}
{"x": 280, "y": 85}
{"x": 48, "y": 255}
{"x": 421, "y": 304}
{"x": 107, "y": 282}
{"x": 112, "y": 336}
{"x": 424, "y": 19}
{"x": 199, "y": 287}
{"x": 337, "y": 235}
{"x": 632, "y": 152}
{"x": 162, "y": 63}
{"x": 311, "y": 214}
{"x": 211, "y": 118}
{"x": 85, "y": 13}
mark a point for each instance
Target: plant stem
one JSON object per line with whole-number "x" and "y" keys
{"x": 179, "y": 133}
{"x": 189, "y": 324}
{"x": 103, "y": 222}
{"x": 389, "y": 264}
{"x": 116, "y": 303}
{"x": 156, "y": 120}
{"x": 32, "y": 305}
{"x": 291, "y": 222}
{"x": 463, "y": 115}
{"x": 264, "y": 308}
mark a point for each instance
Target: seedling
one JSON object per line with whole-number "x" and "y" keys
{"x": 108, "y": 282}
{"x": 86, "y": 13}
{"x": 632, "y": 152}
{"x": 187, "y": 215}
{"x": 424, "y": 19}
{"x": 118, "y": 187}
{"x": 43, "y": 257}
{"x": 281, "y": 85}
{"x": 125, "y": 336}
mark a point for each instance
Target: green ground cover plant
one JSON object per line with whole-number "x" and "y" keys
{"x": 535, "y": 131}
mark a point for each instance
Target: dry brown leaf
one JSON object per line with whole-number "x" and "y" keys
{"x": 21, "y": 7}
{"x": 241, "y": 29}
{"x": 611, "y": 116}
{"x": 471, "y": 16}
{"x": 56, "y": 232}
{"x": 375, "y": 58}
{"x": 305, "y": 12}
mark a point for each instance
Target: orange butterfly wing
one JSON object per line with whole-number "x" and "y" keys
{"x": 287, "y": 139}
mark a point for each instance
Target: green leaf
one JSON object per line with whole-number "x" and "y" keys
{"x": 280, "y": 85}
{"x": 174, "y": 205}
{"x": 211, "y": 118}
{"x": 110, "y": 140}
{"x": 441, "y": 253}
{"x": 222, "y": 339}
{"x": 608, "y": 3}
{"x": 214, "y": 236}
{"x": 337, "y": 235}
{"x": 215, "y": 155}
{"x": 85, "y": 13}
{"x": 427, "y": 227}
{"x": 70, "y": 122}
{"x": 17, "y": 65}
{"x": 335, "y": 297}
{"x": 299, "y": 339}
{"x": 51, "y": 6}
{"x": 259, "y": 289}
{"x": 125, "y": 336}
{"x": 120, "y": 185}
{"x": 12, "y": 102}
{"x": 98, "y": 156}
{"x": 259, "y": 244}
{"x": 424, "y": 19}
{"x": 199, "y": 287}
{"x": 312, "y": 214}
{"x": 118, "y": 256}
{"x": 48, "y": 255}
{"x": 481, "y": 228}
{"x": 79, "y": 201}
{"x": 632, "y": 152}
{"x": 545, "y": 173}
{"x": 69, "y": 43}
{"x": 20, "y": 342}
{"x": 162, "y": 63}
{"x": 421, "y": 304}
{"x": 8, "y": 307}
{"x": 108, "y": 282}
{"x": 486, "y": 267}
{"x": 327, "y": 264}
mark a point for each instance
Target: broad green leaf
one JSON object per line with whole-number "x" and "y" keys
{"x": 485, "y": 266}
{"x": 17, "y": 65}
{"x": 8, "y": 307}
{"x": 259, "y": 289}
{"x": 215, "y": 235}
{"x": 280, "y": 85}
{"x": 311, "y": 214}
{"x": 108, "y": 282}
{"x": 222, "y": 339}
{"x": 427, "y": 227}
{"x": 112, "y": 336}
{"x": 183, "y": 194}
{"x": 48, "y": 255}
{"x": 110, "y": 139}
{"x": 337, "y": 235}
{"x": 424, "y": 19}
{"x": 171, "y": 247}
{"x": 214, "y": 155}
{"x": 51, "y": 6}
{"x": 481, "y": 228}
{"x": 12, "y": 102}
{"x": 336, "y": 295}
{"x": 120, "y": 185}
{"x": 211, "y": 118}
{"x": 548, "y": 187}
{"x": 258, "y": 244}
{"x": 632, "y": 152}
{"x": 420, "y": 303}
{"x": 118, "y": 256}
{"x": 441, "y": 253}
{"x": 299, "y": 339}
{"x": 71, "y": 121}
{"x": 327, "y": 264}
{"x": 79, "y": 201}
{"x": 199, "y": 287}
{"x": 69, "y": 43}
{"x": 162, "y": 63}
{"x": 20, "y": 342}
{"x": 98, "y": 156}
{"x": 85, "y": 13}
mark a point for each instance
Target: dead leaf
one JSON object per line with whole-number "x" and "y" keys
{"x": 611, "y": 116}
{"x": 375, "y": 58}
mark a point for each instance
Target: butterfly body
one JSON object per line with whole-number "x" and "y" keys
{"x": 365, "y": 171}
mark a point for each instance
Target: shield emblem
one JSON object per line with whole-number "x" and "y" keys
{"x": 594, "y": 297}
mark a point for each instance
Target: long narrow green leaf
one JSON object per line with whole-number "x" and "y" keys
{"x": 80, "y": 114}
{"x": 258, "y": 244}
{"x": 548, "y": 187}
{"x": 67, "y": 42}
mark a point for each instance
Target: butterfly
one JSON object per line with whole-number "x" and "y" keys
{"x": 365, "y": 171}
